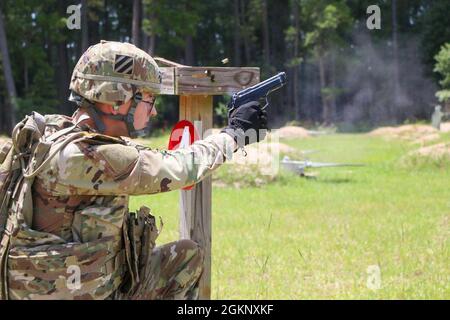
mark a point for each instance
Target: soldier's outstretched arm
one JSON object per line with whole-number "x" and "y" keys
{"x": 112, "y": 169}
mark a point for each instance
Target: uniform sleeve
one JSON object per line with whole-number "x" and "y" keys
{"x": 114, "y": 169}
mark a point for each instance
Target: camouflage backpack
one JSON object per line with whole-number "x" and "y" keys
{"x": 105, "y": 265}
{"x": 21, "y": 159}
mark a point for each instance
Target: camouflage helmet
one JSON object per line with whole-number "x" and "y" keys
{"x": 112, "y": 72}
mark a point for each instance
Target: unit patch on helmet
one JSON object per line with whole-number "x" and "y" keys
{"x": 123, "y": 64}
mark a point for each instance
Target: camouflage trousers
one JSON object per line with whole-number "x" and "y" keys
{"x": 173, "y": 274}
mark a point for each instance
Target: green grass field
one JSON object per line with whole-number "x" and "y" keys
{"x": 315, "y": 239}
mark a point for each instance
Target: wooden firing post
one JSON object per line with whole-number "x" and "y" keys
{"x": 196, "y": 87}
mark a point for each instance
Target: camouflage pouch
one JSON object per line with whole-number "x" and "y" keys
{"x": 140, "y": 233}
{"x": 65, "y": 271}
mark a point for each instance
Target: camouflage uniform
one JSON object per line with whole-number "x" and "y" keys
{"x": 80, "y": 241}
{"x": 80, "y": 200}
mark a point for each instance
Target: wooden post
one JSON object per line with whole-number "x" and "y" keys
{"x": 196, "y": 87}
{"x": 195, "y": 204}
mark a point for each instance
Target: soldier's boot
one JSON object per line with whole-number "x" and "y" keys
{"x": 175, "y": 270}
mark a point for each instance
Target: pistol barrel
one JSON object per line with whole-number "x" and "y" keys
{"x": 259, "y": 90}
{"x": 268, "y": 85}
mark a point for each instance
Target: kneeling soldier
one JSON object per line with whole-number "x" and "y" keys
{"x": 66, "y": 229}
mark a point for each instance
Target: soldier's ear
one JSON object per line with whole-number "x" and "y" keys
{"x": 123, "y": 109}
{"x": 110, "y": 109}
{"x": 104, "y": 108}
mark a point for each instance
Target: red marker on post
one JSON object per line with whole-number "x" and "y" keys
{"x": 183, "y": 135}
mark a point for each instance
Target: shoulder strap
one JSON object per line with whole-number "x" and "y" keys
{"x": 27, "y": 157}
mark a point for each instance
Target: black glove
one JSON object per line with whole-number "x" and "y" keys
{"x": 247, "y": 123}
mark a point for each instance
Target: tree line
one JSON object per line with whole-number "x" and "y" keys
{"x": 339, "y": 71}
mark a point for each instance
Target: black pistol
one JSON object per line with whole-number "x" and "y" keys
{"x": 258, "y": 91}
